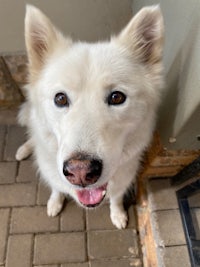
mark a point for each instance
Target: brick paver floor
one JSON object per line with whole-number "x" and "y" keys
{"x": 166, "y": 218}
{"x": 75, "y": 238}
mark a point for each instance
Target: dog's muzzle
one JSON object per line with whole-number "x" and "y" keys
{"x": 84, "y": 170}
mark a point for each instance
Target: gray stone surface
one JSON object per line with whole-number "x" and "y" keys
{"x": 101, "y": 244}
{"x": 72, "y": 217}
{"x": 16, "y": 137}
{"x": 2, "y": 140}
{"x": 99, "y": 218}
{"x": 170, "y": 227}
{"x": 32, "y": 220}
{"x": 194, "y": 201}
{"x": 176, "y": 256}
{"x": 43, "y": 194}
{"x": 85, "y": 264}
{"x": 17, "y": 195}
{"x": 162, "y": 195}
{"x": 62, "y": 248}
{"x": 4, "y": 224}
{"x": 8, "y": 172}
{"x": 27, "y": 172}
{"x": 167, "y": 223}
{"x": 19, "y": 251}
{"x": 117, "y": 263}
{"x": 196, "y": 219}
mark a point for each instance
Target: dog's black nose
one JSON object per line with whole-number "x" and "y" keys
{"x": 82, "y": 169}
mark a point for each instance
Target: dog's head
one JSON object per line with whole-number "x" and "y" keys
{"x": 96, "y": 101}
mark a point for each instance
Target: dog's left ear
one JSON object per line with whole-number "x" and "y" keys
{"x": 144, "y": 35}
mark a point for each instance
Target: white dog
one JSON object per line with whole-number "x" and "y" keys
{"x": 90, "y": 108}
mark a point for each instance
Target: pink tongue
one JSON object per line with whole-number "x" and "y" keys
{"x": 91, "y": 196}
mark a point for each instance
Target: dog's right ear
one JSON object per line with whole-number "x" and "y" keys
{"x": 42, "y": 39}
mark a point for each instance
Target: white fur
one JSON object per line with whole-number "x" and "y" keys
{"x": 87, "y": 73}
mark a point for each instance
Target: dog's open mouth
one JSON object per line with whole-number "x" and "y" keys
{"x": 93, "y": 196}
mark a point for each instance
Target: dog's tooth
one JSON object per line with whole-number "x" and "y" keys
{"x": 103, "y": 192}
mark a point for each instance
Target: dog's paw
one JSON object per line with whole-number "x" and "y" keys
{"x": 23, "y": 151}
{"x": 119, "y": 219}
{"x": 54, "y": 206}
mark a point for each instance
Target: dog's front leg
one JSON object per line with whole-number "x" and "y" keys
{"x": 118, "y": 215}
{"x": 55, "y": 203}
{"x": 24, "y": 150}
{"x": 124, "y": 176}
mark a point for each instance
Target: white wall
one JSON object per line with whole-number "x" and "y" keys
{"x": 179, "y": 115}
{"x": 83, "y": 19}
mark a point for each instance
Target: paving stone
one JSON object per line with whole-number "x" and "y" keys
{"x": 194, "y": 201}
{"x": 15, "y": 138}
{"x": 176, "y": 256}
{"x": 62, "y": 248}
{"x": 99, "y": 218}
{"x": 19, "y": 251}
{"x": 195, "y": 212}
{"x": 46, "y": 265}
{"x": 4, "y": 224}
{"x": 117, "y": 263}
{"x": 170, "y": 227}
{"x": 72, "y": 217}
{"x": 17, "y": 195}
{"x": 7, "y": 172}
{"x": 162, "y": 195}
{"x": 43, "y": 194}
{"x": 116, "y": 243}
{"x": 2, "y": 140}
{"x": 27, "y": 172}
{"x": 85, "y": 264}
{"x": 32, "y": 220}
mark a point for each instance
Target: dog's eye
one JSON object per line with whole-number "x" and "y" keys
{"x": 61, "y": 100}
{"x": 116, "y": 98}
